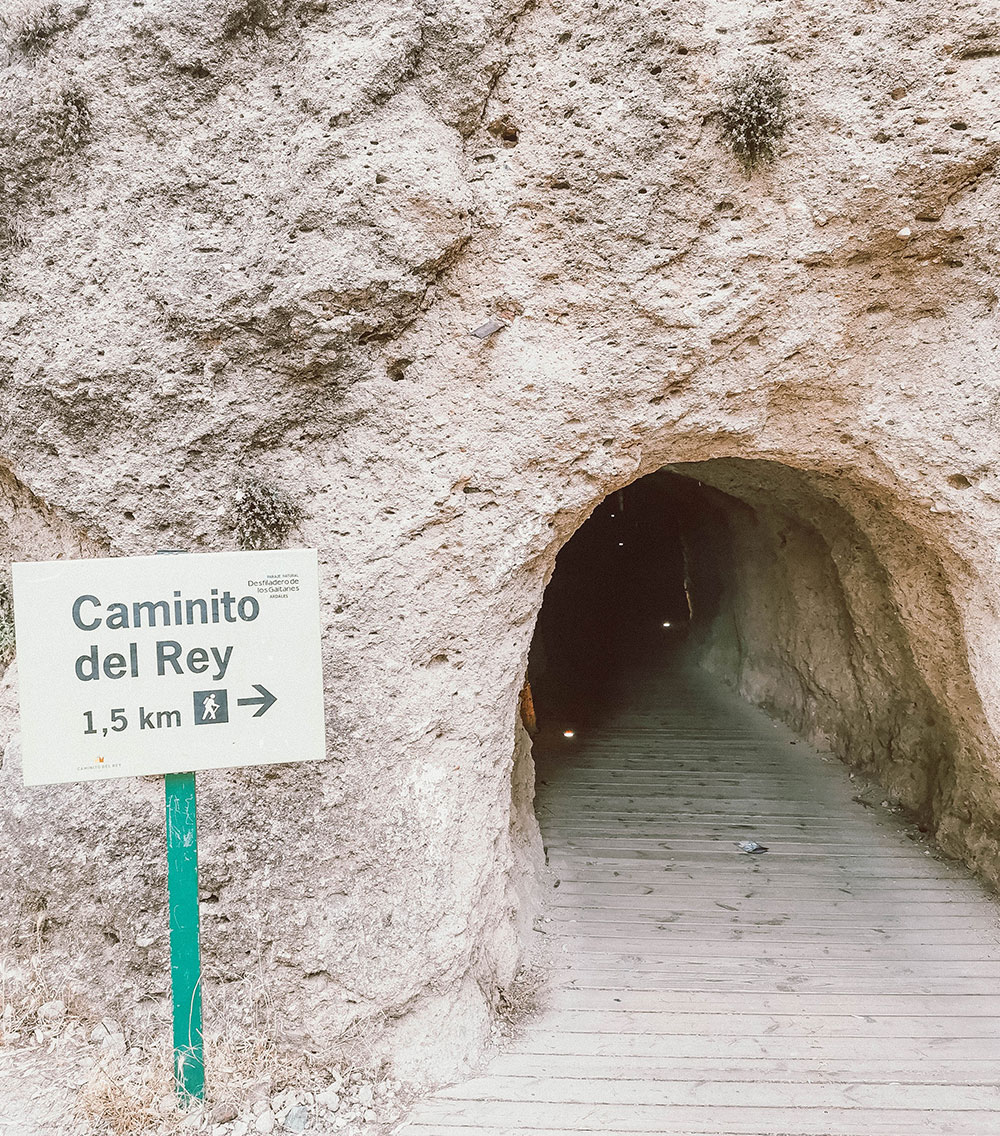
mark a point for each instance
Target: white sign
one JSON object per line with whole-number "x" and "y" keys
{"x": 168, "y": 664}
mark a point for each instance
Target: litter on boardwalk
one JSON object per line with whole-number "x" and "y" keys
{"x": 750, "y": 846}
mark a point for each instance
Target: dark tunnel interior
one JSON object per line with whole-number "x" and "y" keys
{"x": 617, "y": 601}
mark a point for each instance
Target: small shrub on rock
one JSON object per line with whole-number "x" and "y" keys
{"x": 753, "y": 114}
{"x": 64, "y": 119}
{"x": 6, "y": 624}
{"x": 31, "y": 26}
{"x": 13, "y": 233}
{"x": 248, "y": 17}
{"x": 263, "y": 515}
{"x": 40, "y": 129}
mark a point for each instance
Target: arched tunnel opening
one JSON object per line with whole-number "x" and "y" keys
{"x": 730, "y": 926}
{"x": 724, "y": 905}
{"x": 804, "y": 592}
{"x": 617, "y": 605}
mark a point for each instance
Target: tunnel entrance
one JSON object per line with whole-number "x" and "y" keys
{"x": 617, "y": 604}
{"x": 798, "y": 590}
{"x": 732, "y": 939}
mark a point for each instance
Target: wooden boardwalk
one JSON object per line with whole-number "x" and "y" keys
{"x": 845, "y": 983}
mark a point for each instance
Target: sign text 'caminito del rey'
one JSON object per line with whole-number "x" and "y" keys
{"x": 163, "y": 664}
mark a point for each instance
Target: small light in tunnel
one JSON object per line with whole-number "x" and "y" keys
{"x": 621, "y": 544}
{"x": 667, "y": 624}
{"x": 569, "y": 733}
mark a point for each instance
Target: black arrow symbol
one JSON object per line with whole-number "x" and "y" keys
{"x": 265, "y": 702}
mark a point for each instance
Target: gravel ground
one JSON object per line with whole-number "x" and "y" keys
{"x": 72, "y": 1086}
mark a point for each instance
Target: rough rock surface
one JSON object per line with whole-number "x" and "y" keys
{"x": 251, "y": 237}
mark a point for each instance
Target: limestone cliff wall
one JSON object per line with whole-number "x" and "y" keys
{"x": 252, "y": 238}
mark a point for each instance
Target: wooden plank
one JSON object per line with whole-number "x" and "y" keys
{"x": 722, "y": 1025}
{"x": 808, "y": 856}
{"x": 693, "y": 849}
{"x": 450, "y": 1128}
{"x": 736, "y": 911}
{"x": 790, "y": 1069}
{"x": 709, "y": 805}
{"x": 786, "y": 829}
{"x": 773, "y": 916}
{"x": 539, "y": 1117}
{"x": 745, "y": 937}
{"x": 752, "y": 871}
{"x": 650, "y": 826}
{"x": 800, "y": 1003}
{"x": 703, "y": 980}
{"x": 923, "y": 930}
{"x": 672, "y": 947}
{"x": 778, "y": 788}
{"x": 749, "y": 898}
{"x": 774, "y": 968}
{"x": 542, "y": 1040}
{"x": 726, "y": 1094}
{"x": 920, "y": 892}
{"x": 640, "y": 782}
{"x": 783, "y": 856}
{"x": 937, "y": 877}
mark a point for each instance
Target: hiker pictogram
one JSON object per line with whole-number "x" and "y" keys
{"x": 210, "y": 706}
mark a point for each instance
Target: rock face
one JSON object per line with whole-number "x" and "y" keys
{"x": 250, "y": 238}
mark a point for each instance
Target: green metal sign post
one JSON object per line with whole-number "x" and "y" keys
{"x": 185, "y": 929}
{"x": 185, "y": 952}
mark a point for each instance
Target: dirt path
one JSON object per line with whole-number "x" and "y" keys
{"x": 844, "y": 983}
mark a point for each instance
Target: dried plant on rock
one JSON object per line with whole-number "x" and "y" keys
{"x": 30, "y": 26}
{"x": 65, "y": 119}
{"x": 6, "y": 623}
{"x": 263, "y": 515}
{"x": 521, "y": 1000}
{"x": 753, "y": 114}
{"x": 248, "y": 17}
{"x": 13, "y": 233}
{"x": 43, "y": 128}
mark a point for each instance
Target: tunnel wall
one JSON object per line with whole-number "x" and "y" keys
{"x": 817, "y": 603}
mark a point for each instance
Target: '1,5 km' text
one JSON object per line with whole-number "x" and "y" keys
{"x": 148, "y": 720}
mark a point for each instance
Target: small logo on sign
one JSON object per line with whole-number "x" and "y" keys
{"x": 210, "y": 706}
